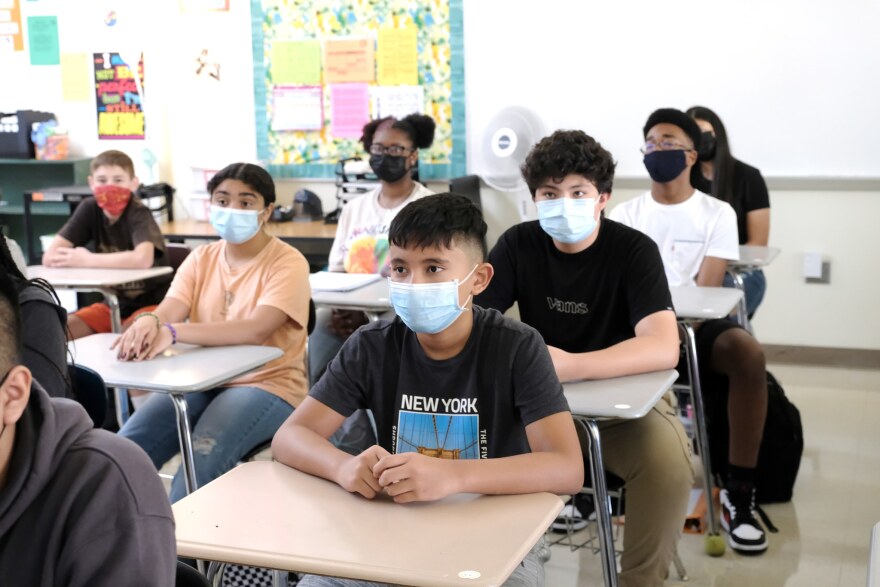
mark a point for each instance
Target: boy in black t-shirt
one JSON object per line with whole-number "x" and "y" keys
{"x": 124, "y": 235}
{"x": 597, "y": 293}
{"x": 443, "y": 379}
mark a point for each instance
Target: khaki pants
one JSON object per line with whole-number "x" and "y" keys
{"x": 653, "y": 457}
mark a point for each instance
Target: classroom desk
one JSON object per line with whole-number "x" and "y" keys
{"x": 874, "y": 558}
{"x": 694, "y": 305}
{"x": 371, "y": 299}
{"x": 286, "y": 519}
{"x": 70, "y": 195}
{"x": 628, "y": 398}
{"x": 750, "y": 258}
{"x": 313, "y": 239}
{"x": 105, "y": 281}
{"x": 182, "y": 369}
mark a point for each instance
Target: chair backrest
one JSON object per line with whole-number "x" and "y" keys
{"x": 90, "y": 391}
{"x": 176, "y": 252}
{"x": 189, "y": 577}
{"x": 468, "y": 186}
{"x": 163, "y": 191}
{"x": 312, "y": 317}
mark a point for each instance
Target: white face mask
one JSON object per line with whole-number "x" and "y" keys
{"x": 428, "y": 307}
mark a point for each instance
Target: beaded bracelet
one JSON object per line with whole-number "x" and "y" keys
{"x": 173, "y": 333}
{"x": 151, "y": 315}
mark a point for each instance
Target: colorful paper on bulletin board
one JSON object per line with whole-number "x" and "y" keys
{"x": 397, "y": 101}
{"x": 120, "y": 113}
{"x": 43, "y": 40}
{"x": 298, "y": 108}
{"x": 296, "y": 62}
{"x": 11, "y": 37}
{"x": 349, "y": 60}
{"x": 398, "y": 56}
{"x": 349, "y": 109}
{"x": 75, "y": 77}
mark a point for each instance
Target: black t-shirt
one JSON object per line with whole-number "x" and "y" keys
{"x": 88, "y": 226}
{"x": 579, "y": 302}
{"x": 749, "y": 194}
{"x": 474, "y": 405}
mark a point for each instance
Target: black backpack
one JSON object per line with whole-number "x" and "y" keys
{"x": 781, "y": 447}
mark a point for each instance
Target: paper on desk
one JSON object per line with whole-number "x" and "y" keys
{"x": 335, "y": 281}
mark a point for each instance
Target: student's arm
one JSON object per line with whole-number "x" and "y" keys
{"x": 555, "y": 464}
{"x": 144, "y": 331}
{"x": 51, "y": 255}
{"x": 139, "y": 258}
{"x": 302, "y": 443}
{"x": 712, "y": 272}
{"x": 758, "y": 227}
{"x": 654, "y": 347}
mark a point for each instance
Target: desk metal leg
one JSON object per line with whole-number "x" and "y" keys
{"x": 122, "y": 408}
{"x": 184, "y": 435}
{"x": 372, "y": 316}
{"x": 742, "y": 314}
{"x": 690, "y": 343}
{"x": 603, "y": 505}
{"x": 30, "y": 253}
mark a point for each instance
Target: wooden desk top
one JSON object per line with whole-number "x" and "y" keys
{"x": 316, "y": 229}
{"x": 289, "y": 520}
{"x": 183, "y": 368}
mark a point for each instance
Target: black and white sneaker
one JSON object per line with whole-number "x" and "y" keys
{"x": 570, "y": 518}
{"x": 744, "y": 532}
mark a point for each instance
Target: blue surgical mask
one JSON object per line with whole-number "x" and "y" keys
{"x": 235, "y": 226}
{"x": 428, "y": 308}
{"x": 568, "y": 220}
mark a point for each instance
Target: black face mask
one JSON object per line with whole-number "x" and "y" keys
{"x": 388, "y": 168}
{"x": 707, "y": 146}
{"x": 664, "y": 166}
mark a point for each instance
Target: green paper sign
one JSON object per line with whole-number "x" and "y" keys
{"x": 43, "y": 40}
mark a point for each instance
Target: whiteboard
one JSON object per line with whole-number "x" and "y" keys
{"x": 796, "y": 82}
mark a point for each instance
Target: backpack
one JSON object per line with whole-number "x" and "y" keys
{"x": 782, "y": 445}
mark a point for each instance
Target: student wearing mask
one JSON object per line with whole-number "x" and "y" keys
{"x": 697, "y": 236}
{"x": 740, "y": 185}
{"x": 515, "y": 433}
{"x": 596, "y": 292}
{"x": 246, "y": 288}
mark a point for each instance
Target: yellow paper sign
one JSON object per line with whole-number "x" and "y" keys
{"x": 349, "y": 60}
{"x": 398, "y": 56}
{"x": 296, "y": 63}
{"x": 76, "y": 85}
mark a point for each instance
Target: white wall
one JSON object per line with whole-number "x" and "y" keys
{"x": 622, "y": 53}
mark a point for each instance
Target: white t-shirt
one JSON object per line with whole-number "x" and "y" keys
{"x": 361, "y": 243}
{"x": 701, "y": 226}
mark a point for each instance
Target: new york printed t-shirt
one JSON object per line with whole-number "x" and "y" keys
{"x": 474, "y": 405}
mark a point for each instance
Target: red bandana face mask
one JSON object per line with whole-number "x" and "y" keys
{"x": 112, "y": 198}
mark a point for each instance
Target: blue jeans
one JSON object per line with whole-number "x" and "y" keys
{"x": 755, "y": 285}
{"x": 227, "y": 423}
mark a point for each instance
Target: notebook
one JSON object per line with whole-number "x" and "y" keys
{"x": 335, "y": 281}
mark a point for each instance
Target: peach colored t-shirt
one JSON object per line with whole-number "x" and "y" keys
{"x": 278, "y": 277}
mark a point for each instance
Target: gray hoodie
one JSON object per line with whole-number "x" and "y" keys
{"x": 81, "y": 506}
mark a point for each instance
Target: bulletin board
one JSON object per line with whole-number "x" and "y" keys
{"x": 323, "y": 68}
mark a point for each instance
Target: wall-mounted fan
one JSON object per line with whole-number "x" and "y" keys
{"x": 504, "y": 144}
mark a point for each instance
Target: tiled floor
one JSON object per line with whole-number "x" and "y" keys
{"x": 824, "y": 532}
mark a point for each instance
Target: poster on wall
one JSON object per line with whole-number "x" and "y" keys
{"x": 119, "y": 99}
{"x": 10, "y": 26}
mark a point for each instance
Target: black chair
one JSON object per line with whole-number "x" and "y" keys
{"x": 468, "y": 186}
{"x": 90, "y": 391}
{"x": 177, "y": 253}
{"x": 189, "y": 577}
{"x": 162, "y": 191}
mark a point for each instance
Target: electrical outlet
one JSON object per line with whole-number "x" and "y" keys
{"x": 812, "y": 265}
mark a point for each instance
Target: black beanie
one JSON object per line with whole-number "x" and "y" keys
{"x": 679, "y": 119}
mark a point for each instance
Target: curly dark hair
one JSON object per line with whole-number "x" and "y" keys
{"x": 568, "y": 152}
{"x": 418, "y": 127}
